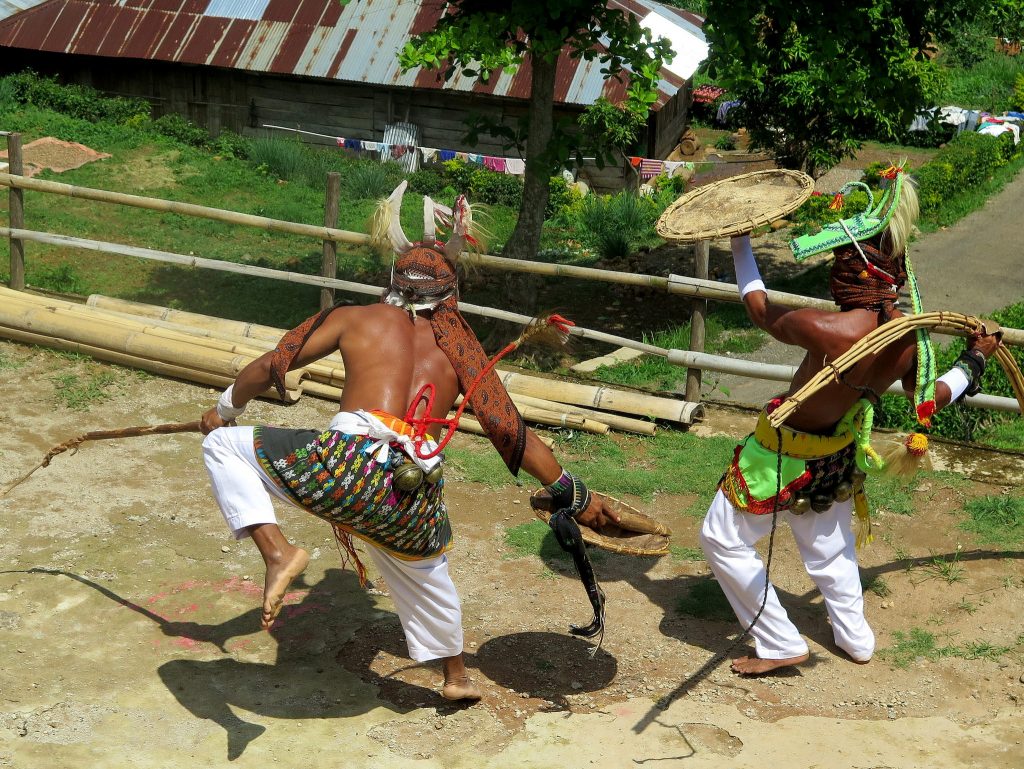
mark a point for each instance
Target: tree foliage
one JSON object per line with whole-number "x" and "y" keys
{"x": 814, "y": 76}
{"x": 478, "y": 38}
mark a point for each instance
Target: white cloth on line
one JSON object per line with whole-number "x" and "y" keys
{"x": 827, "y": 547}
{"x": 424, "y": 594}
{"x": 515, "y": 166}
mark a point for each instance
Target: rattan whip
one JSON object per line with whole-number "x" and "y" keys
{"x": 99, "y": 435}
{"x": 735, "y": 205}
{"x": 882, "y": 337}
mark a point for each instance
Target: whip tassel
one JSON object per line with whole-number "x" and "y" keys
{"x": 99, "y": 435}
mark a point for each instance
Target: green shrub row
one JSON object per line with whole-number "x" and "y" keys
{"x": 77, "y": 101}
{"x": 965, "y": 162}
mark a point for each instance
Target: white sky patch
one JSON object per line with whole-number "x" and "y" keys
{"x": 690, "y": 46}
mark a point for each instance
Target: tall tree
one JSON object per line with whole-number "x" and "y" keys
{"x": 480, "y": 37}
{"x": 816, "y": 75}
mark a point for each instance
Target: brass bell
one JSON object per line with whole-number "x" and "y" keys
{"x": 844, "y": 491}
{"x": 821, "y": 502}
{"x": 407, "y": 477}
{"x": 434, "y": 475}
{"x": 800, "y": 505}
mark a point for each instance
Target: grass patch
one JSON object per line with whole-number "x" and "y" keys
{"x": 917, "y": 644}
{"x": 1004, "y": 435}
{"x": 9, "y": 364}
{"x": 705, "y": 600}
{"x": 914, "y": 645}
{"x": 680, "y": 553}
{"x": 876, "y": 585}
{"x": 726, "y": 331}
{"x": 996, "y": 520}
{"x": 79, "y": 392}
{"x": 948, "y": 570}
{"x": 534, "y": 538}
{"x": 890, "y": 495}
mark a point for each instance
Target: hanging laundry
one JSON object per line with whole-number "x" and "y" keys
{"x": 494, "y": 164}
{"x": 429, "y": 154}
{"x": 340, "y": 141}
{"x": 399, "y": 150}
{"x": 515, "y": 166}
{"x": 370, "y": 146}
{"x": 446, "y": 155}
{"x": 463, "y": 156}
{"x": 634, "y": 161}
{"x": 651, "y": 168}
{"x": 475, "y": 158}
{"x": 353, "y": 144}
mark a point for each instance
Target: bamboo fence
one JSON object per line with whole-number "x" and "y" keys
{"x": 172, "y": 349}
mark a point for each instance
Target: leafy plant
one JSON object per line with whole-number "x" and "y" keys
{"x": 78, "y": 393}
{"x": 182, "y": 129}
{"x": 61, "y": 278}
{"x": 370, "y": 180}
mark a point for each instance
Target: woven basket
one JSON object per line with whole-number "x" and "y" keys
{"x": 635, "y": 534}
{"x": 734, "y": 206}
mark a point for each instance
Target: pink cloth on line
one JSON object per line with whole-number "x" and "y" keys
{"x": 494, "y": 164}
{"x": 341, "y": 141}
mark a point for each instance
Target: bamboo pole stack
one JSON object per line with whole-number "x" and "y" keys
{"x": 212, "y": 351}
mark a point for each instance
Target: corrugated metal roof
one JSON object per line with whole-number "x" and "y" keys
{"x": 358, "y": 42}
{"x": 11, "y": 7}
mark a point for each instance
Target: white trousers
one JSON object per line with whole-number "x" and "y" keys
{"x": 827, "y": 547}
{"x": 423, "y": 592}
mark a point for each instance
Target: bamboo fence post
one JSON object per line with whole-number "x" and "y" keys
{"x": 701, "y": 253}
{"x": 329, "y": 268}
{"x": 16, "y": 206}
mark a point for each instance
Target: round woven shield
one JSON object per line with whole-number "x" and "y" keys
{"x": 735, "y": 205}
{"x": 635, "y": 534}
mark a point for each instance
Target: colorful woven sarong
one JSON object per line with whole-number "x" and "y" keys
{"x": 334, "y": 476}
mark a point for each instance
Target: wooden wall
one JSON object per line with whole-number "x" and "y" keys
{"x": 242, "y": 102}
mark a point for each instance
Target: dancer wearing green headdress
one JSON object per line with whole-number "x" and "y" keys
{"x": 810, "y": 471}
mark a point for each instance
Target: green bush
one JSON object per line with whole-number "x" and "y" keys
{"x": 182, "y": 129}
{"x": 427, "y": 181}
{"x": 496, "y": 189}
{"x": 370, "y": 180}
{"x": 965, "y": 162}
{"x": 231, "y": 145}
{"x": 76, "y": 101}
{"x": 561, "y": 197}
{"x": 282, "y": 158}
{"x": 615, "y": 225}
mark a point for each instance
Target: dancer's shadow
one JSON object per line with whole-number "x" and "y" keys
{"x": 304, "y": 682}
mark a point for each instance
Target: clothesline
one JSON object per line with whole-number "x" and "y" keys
{"x": 648, "y": 168}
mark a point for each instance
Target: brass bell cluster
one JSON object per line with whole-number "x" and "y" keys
{"x": 408, "y": 476}
{"x": 819, "y": 503}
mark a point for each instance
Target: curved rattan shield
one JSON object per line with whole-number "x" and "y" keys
{"x": 635, "y": 534}
{"x": 735, "y": 205}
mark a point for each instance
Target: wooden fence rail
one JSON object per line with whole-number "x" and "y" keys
{"x": 698, "y": 288}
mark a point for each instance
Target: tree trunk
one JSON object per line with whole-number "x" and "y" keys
{"x": 525, "y": 239}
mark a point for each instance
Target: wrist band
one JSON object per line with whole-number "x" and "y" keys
{"x": 958, "y": 381}
{"x": 569, "y": 494}
{"x": 972, "y": 364}
{"x": 226, "y": 409}
{"x": 748, "y": 277}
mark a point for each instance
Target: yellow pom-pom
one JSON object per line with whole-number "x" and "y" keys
{"x": 864, "y": 275}
{"x": 917, "y": 444}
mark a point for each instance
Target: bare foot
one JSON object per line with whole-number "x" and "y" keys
{"x": 755, "y": 666}
{"x": 460, "y": 688}
{"x": 279, "y": 577}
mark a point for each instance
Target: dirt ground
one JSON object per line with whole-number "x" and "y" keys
{"x": 129, "y": 627}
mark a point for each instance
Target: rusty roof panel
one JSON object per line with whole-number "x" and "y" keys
{"x": 357, "y": 42}
{"x": 206, "y": 35}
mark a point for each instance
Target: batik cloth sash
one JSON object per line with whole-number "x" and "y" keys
{"x": 337, "y": 476}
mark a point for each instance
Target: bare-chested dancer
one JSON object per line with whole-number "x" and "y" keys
{"x": 819, "y": 479}
{"x": 346, "y": 474}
